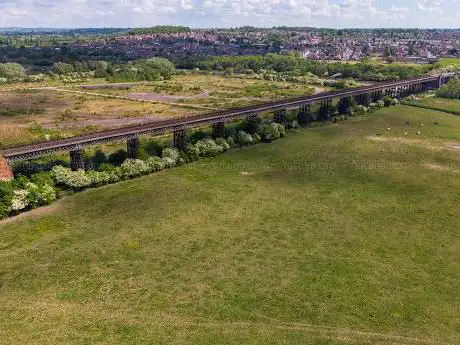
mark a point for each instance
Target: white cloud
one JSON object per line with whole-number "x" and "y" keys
{"x": 215, "y": 13}
{"x": 433, "y": 6}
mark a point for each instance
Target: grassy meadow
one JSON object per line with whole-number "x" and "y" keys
{"x": 342, "y": 234}
{"x": 441, "y": 104}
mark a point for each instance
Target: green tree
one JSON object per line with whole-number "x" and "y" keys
{"x": 62, "y": 68}
{"x": 12, "y": 71}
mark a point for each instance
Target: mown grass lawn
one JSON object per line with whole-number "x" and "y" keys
{"x": 344, "y": 234}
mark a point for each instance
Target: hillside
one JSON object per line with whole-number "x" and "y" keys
{"x": 344, "y": 234}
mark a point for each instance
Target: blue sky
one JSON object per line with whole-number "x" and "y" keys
{"x": 230, "y": 13}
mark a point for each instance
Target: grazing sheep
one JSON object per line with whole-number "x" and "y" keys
{"x": 406, "y": 133}
{"x": 418, "y": 133}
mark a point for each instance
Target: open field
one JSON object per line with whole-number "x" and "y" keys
{"x": 442, "y": 104}
{"x": 38, "y": 114}
{"x": 344, "y": 234}
{"x": 43, "y": 112}
{"x": 214, "y": 91}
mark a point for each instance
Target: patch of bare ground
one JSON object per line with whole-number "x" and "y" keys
{"x": 453, "y": 145}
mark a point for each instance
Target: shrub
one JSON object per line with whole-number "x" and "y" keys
{"x": 99, "y": 158}
{"x": 222, "y": 142}
{"x": 6, "y": 195}
{"x": 118, "y": 157}
{"x": 42, "y": 178}
{"x": 193, "y": 152}
{"x": 257, "y": 138}
{"x": 280, "y": 127}
{"x": 168, "y": 162}
{"x": 20, "y": 200}
{"x": 100, "y": 178}
{"x": 244, "y": 138}
{"x": 293, "y": 124}
{"x": 387, "y": 101}
{"x": 170, "y": 153}
{"x": 270, "y": 133}
{"x": 73, "y": 179}
{"x": 107, "y": 167}
{"x": 208, "y": 148}
{"x": 252, "y": 125}
{"x": 134, "y": 168}
{"x": 33, "y": 194}
{"x": 152, "y": 147}
{"x": 231, "y": 141}
{"x": 48, "y": 194}
{"x": 155, "y": 164}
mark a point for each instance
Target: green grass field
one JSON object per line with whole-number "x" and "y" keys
{"x": 344, "y": 234}
{"x": 442, "y": 104}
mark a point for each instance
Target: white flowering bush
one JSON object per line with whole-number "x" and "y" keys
{"x": 257, "y": 138}
{"x": 33, "y": 194}
{"x": 208, "y": 148}
{"x": 168, "y": 162}
{"x": 270, "y": 133}
{"x": 171, "y": 157}
{"x": 134, "y": 168}
{"x": 155, "y": 164}
{"x": 222, "y": 142}
{"x": 193, "y": 152}
{"x": 60, "y": 174}
{"x": 244, "y": 138}
{"x": 47, "y": 195}
{"x": 73, "y": 179}
{"x": 20, "y": 200}
{"x": 362, "y": 109}
{"x": 281, "y": 129}
{"x": 231, "y": 141}
{"x": 100, "y": 178}
{"x": 170, "y": 153}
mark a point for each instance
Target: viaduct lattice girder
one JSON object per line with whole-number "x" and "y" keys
{"x": 181, "y": 124}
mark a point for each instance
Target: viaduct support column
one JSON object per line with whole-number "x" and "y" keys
{"x": 132, "y": 146}
{"x": 280, "y": 116}
{"x": 218, "y": 130}
{"x": 6, "y": 173}
{"x": 76, "y": 160}
{"x": 325, "y": 111}
{"x": 344, "y": 105}
{"x": 303, "y": 116}
{"x": 180, "y": 141}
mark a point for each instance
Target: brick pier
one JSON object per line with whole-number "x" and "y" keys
{"x": 6, "y": 173}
